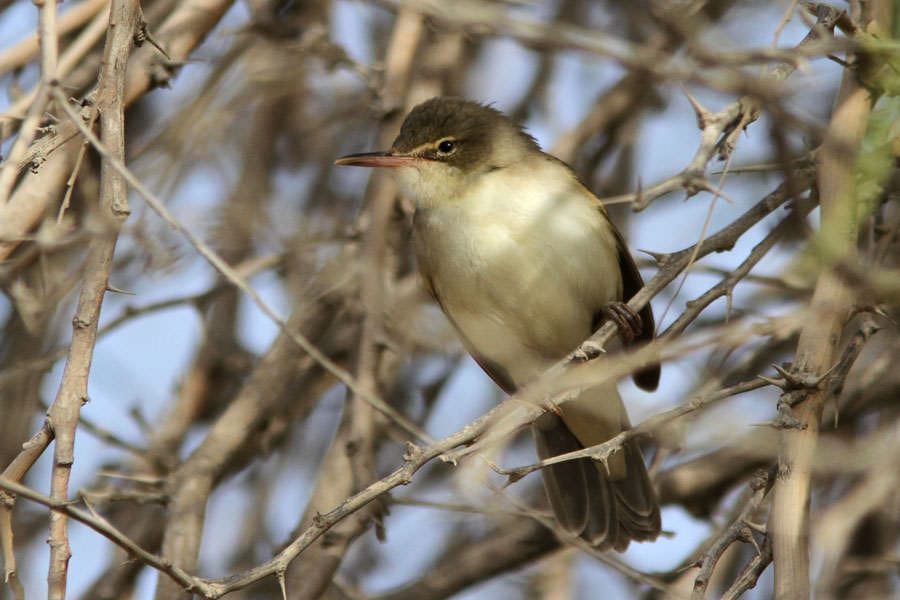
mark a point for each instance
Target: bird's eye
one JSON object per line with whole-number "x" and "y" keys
{"x": 447, "y": 146}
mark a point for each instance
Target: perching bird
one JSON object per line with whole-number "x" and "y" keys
{"x": 526, "y": 264}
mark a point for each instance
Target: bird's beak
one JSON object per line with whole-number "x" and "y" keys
{"x": 377, "y": 159}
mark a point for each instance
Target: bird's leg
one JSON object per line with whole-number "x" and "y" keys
{"x": 629, "y": 322}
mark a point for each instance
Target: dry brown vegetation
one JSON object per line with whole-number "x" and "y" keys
{"x": 279, "y": 410}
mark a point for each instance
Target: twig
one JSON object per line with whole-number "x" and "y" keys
{"x": 239, "y": 282}
{"x": 670, "y": 266}
{"x": 739, "y": 530}
{"x": 719, "y": 134}
{"x": 361, "y": 429}
{"x": 72, "y": 394}
{"x": 512, "y": 544}
{"x": 785, "y": 19}
{"x": 751, "y": 572}
{"x": 834, "y": 527}
{"x": 851, "y": 352}
{"x": 417, "y": 457}
{"x": 247, "y": 269}
{"x": 725, "y": 287}
{"x": 487, "y": 18}
{"x": 70, "y": 183}
{"x": 603, "y": 451}
{"x": 817, "y": 346}
{"x": 24, "y": 52}
{"x": 104, "y": 528}
{"x": 181, "y": 32}
{"x": 73, "y": 55}
{"x": 31, "y": 451}
{"x": 49, "y": 42}
{"x": 107, "y": 435}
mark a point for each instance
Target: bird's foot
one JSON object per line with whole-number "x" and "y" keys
{"x": 629, "y": 322}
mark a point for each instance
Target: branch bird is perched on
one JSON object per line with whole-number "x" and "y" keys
{"x": 525, "y": 263}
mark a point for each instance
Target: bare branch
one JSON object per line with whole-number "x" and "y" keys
{"x": 818, "y": 344}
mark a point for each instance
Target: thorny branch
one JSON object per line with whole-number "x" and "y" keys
{"x": 112, "y": 211}
{"x": 741, "y": 529}
{"x": 817, "y": 346}
{"x": 265, "y": 107}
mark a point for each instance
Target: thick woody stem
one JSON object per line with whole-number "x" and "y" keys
{"x": 72, "y": 394}
{"x": 818, "y": 345}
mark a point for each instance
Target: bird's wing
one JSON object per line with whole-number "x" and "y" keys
{"x": 500, "y": 376}
{"x": 647, "y": 379}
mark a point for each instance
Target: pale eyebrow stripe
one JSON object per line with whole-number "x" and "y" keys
{"x": 428, "y": 145}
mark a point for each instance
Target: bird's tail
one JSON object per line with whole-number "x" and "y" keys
{"x": 606, "y": 505}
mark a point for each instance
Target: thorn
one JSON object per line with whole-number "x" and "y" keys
{"x": 658, "y": 257}
{"x": 702, "y": 114}
{"x": 782, "y": 371}
{"x": 694, "y": 183}
{"x": 115, "y": 290}
{"x": 746, "y": 535}
{"x": 496, "y": 468}
{"x": 143, "y": 35}
{"x": 799, "y": 381}
{"x": 605, "y": 460}
{"x": 720, "y": 194}
{"x": 514, "y": 476}
{"x": 757, "y": 527}
{"x": 779, "y": 383}
{"x": 89, "y": 506}
{"x": 281, "y": 584}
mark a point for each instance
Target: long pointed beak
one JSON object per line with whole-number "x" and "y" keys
{"x": 377, "y": 159}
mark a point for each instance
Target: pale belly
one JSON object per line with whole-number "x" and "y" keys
{"x": 522, "y": 290}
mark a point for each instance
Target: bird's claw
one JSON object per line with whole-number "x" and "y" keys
{"x": 629, "y": 322}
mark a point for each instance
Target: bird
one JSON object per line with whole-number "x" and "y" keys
{"x": 525, "y": 263}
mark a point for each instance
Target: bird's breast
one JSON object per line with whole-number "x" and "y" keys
{"x": 520, "y": 271}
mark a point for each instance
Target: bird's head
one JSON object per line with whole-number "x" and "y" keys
{"x": 445, "y": 145}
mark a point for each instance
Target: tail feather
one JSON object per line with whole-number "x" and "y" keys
{"x": 572, "y": 486}
{"x": 636, "y": 499}
{"x": 586, "y": 502}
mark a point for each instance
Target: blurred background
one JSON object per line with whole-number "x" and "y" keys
{"x": 236, "y": 130}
